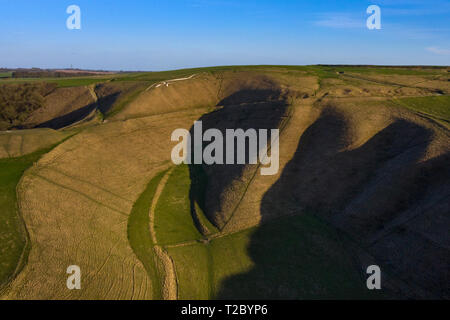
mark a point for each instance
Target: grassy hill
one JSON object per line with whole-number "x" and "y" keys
{"x": 363, "y": 179}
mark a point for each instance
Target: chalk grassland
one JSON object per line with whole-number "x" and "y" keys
{"x": 140, "y": 237}
{"x": 170, "y": 98}
{"x": 12, "y": 230}
{"x": 80, "y": 216}
{"x": 53, "y": 187}
{"x": 245, "y": 261}
{"x": 18, "y": 143}
{"x": 297, "y": 257}
{"x": 434, "y": 81}
{"x": 155, "y": 77}
{"x": 115, "y": 91}
{"x": 436, "y": 107}
{"x": 388, "y": 71}
{"x": 15, "y": 245}
{"x": 61, "y": 82}
{"x": 114, "y": 96}
{"x": 84, "y": 202}
{"x": 173, "y": 222}
{"x": 366, "y": 121}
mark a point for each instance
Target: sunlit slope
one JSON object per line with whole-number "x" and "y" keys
{"x": 76, "y": 203}
{"x": 361, "y": 176}
{"x": 364, "y": 165}
{"x": 22, "y": 142}
{"x": 15, "y": 244}
{"x": 371, "y": 174}
{"x": 159, "y": 98}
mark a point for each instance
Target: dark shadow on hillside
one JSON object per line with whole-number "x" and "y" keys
{"x": 103, "y": 104}
{"x": 106, "y": 103}
{"x": 361, "y": 192}
{"x": 69, "y": 118}
{"x": 245, "y": 109}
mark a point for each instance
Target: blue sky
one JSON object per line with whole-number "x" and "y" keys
{"x": 160, "y": 35}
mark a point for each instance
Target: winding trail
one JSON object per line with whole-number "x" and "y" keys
{"x": 164, "y": 261}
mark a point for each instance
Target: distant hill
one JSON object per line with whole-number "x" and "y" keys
{"x": 56, "y": 73}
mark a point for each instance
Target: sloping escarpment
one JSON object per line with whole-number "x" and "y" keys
{"x": 76, "y": 200}
{"x": 199, "y": 92}
{"x": 63, "y": 107}
{"x": 114, "y": 96}
{"x": 260, "y": 105}
{"x": 360, "y": 181}
{"x": 383, "y": 181}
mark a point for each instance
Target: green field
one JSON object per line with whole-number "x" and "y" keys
{"x": 436, "y": 106}
{"x": 173, "y": 219}
{"x": 139, "y": 233}
{"x": 194, "y": 271}
{"x": 387, "y": 71}
{"x": 76, "y": 82}
{"x": 155, "y": 77}
{"x": 298, "y": 256}
{"x": 5, "y": 75}
{"x": 13, "y": 236}
{"x": 61, "y": 82}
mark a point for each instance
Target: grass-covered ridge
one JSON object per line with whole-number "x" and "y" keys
{"x": 435, "y": 106}
{"x": 279, "y": 244}
{"x": 139, "y": 234}
{"x": 14, "y": 244}
{"x": 173, "y": 218}
{"x": 13, "y": 235}
{"x": 299, "y": 256}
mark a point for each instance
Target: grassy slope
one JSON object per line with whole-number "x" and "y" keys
{"x": 193, "y": 270}
{"x": 13, "y": 234}
{"x": 435, "y": 106}
{"x": 298, "y": 257}
{"x": 12, "y": 231}
{"x": 173, "y": 219}
{"x": 228, "y": 256}
{"x": 385, "y": 70}
{"x": 122, "y": 102}
{"x": 139, "y": 233}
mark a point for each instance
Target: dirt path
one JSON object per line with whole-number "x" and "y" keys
{"x": 169, "y": 283}
{"x": 158, "y": 192}
{"x": 92, "y": 92}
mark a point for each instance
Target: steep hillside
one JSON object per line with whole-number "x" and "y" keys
{"x": 363, "y": 179}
